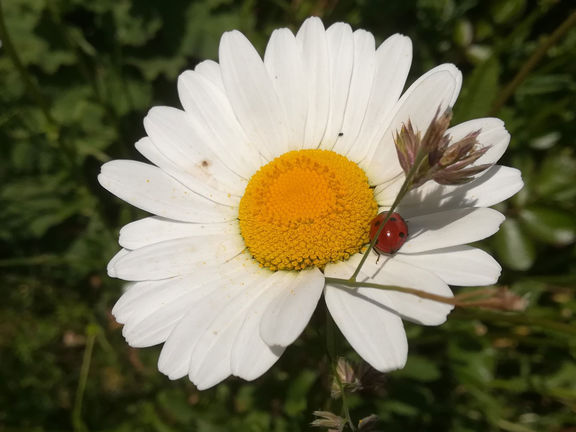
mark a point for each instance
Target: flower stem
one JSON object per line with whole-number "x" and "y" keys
{"x": 406, "y": 186}
{"x": 496, "y": 298}
{"x": 517, "y": 319}
{"x": 455, "y": 301}
{"x": 77, "y": 421}
{"x": 331, "y": 348}
{"x": 345, "y": 409}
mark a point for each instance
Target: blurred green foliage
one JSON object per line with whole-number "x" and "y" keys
{"x": 94, "y": 70}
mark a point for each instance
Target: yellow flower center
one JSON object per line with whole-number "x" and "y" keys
{"x": 306, "y": 208}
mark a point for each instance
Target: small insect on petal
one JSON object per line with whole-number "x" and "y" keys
{"x": 392, "y": 236}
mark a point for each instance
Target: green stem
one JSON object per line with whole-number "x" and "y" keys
{"x": 46, "y": 259}
{"x": 418, "y": 293}
{"x": 331, "y": 349}
{"x": 77, "y": 421}
{"x": 516, "y": 319}
{"x": 403, "y": 191}
{"x": 345, "y": 409}
{"x": 532, "y": 61}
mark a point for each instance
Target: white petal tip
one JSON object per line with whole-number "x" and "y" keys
{"x": 171, "y": 374}
{"x": 275, "y": 341}
{"x": 111, "y": 271}
{"x": 313, "y": 19}
{"x": 389, "y": 366}
{"x": 401, "y": 38}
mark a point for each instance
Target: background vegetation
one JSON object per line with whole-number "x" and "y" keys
{"x": 76, "y": 79}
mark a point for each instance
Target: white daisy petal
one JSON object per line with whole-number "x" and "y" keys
{"x": 312, "y": 40}
{"x": 385, "y": 193}
{"x": 251, "y": 356}
{"x": 211, "y": 359}
{"x": 184, "y": 141}
{"x": 194, "y": 182}
{"x": 111, "y": 268}
{"x": 375, "y": 333}
{"x": 364, "y": 65}
{"x": 340, "y": 40}
{"x": 123, "y": 308}
{"x": 393, "y": 59}
{"x": 392, "y": 271}
{"x": 459, "y": 265}
{"x": 450, "y": 228}
{"x": 210, "y": 70}
{"x": 215, "y": 367}
{"x": 495, "y": 185}
{"x": 174, "y": 360}
{"x": 177, "y": 257}
{"x": 386, "y": 270}
{"x": 155, "y": 229}
{"x": 283, "y": 60}
{"x": 150, "y": 315}
{"x": 210, "y": 112}
{"x": 297, "y": 294}
{"x": 492, "y": 133}
{"x": 175, "y": 357}
{"x": 438, "y": 88}
{"x": 252, "y": 95}
{"x": 150, "y": 189}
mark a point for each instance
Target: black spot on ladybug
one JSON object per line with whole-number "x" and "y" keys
{"x": 393, "y": 219}
{"x": 377, "y": 223}
{"x": 401, "y": 234}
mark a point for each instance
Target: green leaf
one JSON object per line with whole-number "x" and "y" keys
{"x": 419, "y": 369}
{"x": 545, "y": 141}
{"x": 556, "y": 179}
{"x": 134, "y": 30}
{"x": 400, "y": 408}
{"x": 441, "y": 10}
{"x": 478, "y": 54}
{"x": 549, "y": 225}
{"x": 479, "y": 91}
{"x": 504, "y": 11}
{"x": 296, "y": 398}
{"x": 514, "y": 247}
{"x": 173, "y": 402}
{"x": 473, "y": 364}
{"x": 463, "y": 33}
{"x": 544, "y": 84}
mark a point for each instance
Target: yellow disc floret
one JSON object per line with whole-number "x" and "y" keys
{"x": 306, "y": 208}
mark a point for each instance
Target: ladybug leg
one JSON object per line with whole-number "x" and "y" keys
{"x": 379, "y": 254}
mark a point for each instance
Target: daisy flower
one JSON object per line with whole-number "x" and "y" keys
{"x": 265, "y": 184}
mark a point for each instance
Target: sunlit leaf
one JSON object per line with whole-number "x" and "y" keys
{"x": 550, "y": 225}
{"x": 514, "y": 247}
{"x": 478, "y": 92}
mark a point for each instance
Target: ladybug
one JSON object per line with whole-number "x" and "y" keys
{"x": 392, "y": 236}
